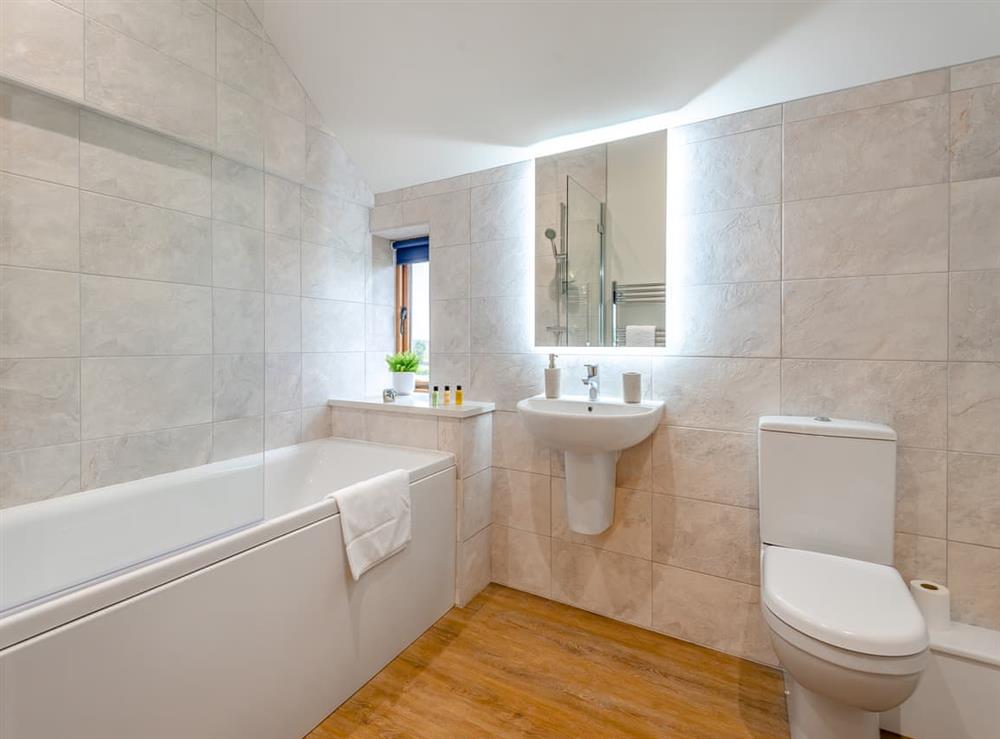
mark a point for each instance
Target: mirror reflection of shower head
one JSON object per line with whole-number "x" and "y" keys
{"x": 550, "y": 234}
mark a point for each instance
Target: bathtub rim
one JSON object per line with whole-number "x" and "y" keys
{"x": 24, "y": 624}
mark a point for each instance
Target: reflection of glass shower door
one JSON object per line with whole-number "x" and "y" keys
{"x": 583, "y": 286}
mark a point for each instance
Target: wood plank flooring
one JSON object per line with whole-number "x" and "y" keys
{"x": 515, "y": 665}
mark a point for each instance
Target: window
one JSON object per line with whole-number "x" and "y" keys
{"x": 413, "y": 303}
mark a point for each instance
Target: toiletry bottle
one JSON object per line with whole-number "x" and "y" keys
{"x": 552, "y": 378}
{"x": 435, "y": 397}
{"x": 447, "y": 395}
{"x": 458, "y": 395}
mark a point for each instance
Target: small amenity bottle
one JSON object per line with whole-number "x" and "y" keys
{"x": 435, "y": 397}
{"x": 447, "y": 395}
{"x": 458, "y": 395}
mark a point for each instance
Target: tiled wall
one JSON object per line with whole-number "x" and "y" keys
{"x": 470, "y": 440}
{"x": 837, "y": 255}
{"x": 168, "y": 300}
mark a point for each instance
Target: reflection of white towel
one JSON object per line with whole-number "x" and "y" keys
{"x": 375, "y": 519}
{"x": 640, "y": 336}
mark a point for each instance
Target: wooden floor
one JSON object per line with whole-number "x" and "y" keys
{"x": 514, "y": 665}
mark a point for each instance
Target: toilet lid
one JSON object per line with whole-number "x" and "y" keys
{"x": 855, "y": 605}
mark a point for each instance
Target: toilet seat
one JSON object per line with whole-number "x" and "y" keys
{"x": 852, "y": 606}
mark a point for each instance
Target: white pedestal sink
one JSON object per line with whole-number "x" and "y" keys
{"x": 593, "y": 434}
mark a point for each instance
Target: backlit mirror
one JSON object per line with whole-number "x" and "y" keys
{"x": 600, "y": 244}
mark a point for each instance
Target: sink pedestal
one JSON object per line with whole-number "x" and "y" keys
{"x": 590, "y": 491}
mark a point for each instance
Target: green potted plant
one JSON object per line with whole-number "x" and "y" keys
{"x": 404, "y": 371}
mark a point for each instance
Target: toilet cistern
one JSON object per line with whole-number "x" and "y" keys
{"x": 592, "y": 381}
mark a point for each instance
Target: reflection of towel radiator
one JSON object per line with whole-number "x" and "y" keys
{"x": 623, "y": 294}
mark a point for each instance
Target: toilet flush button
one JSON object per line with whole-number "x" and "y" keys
{"x": 822, "y": 419}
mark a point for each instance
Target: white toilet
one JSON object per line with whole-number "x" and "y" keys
{"x": 843, "y": 624}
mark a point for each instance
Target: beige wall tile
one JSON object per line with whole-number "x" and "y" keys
{"x": 240, "y": 58}
{"x": 720, "y": 393}
{"x": 182, "y": 30}
{"x": 282, "y": 382}
{"x": 975, "y": 126}
{"x": 909, "y": 396}
{"x": 39, "y": 136}
{"x": 500, "y": 210}
{"x": 130, "y": 79}
{"x": 37, "y": 474}
{"x": 42, "y": 42}
{"x": 735, "y": 171}
{"x": 500, "y": 324}
{"x": 283, "y": 91}
{"x": 974, "y": 314}
{"x": 391, "y": 428}
{"x": 39, "y": 313}
{"x": 342, "y": 375}
{"x": 515, "y": 171}
{"x": 975, "y": 224}
{"x": 612, "y": 584}
{"x": 282, "y": 205}
{"x": 521, "y": 500}
{"x": 726, "y": 125}
{"x": 125, "y": 458}
{"x": 40, "y": 224}
{"x": 974, "y": 498}
{"x": 974, "y": 407}
{"x": 873, "y": 233}
{"x": 315, "y": 423}
{"x": 717, "y": 613}
{"x": 125, "y": 239}
{"x": 240, "y": 126}
{"x": 976, "y": 74}
{"x": 474, "y": 565}
{"x": 237, "y": 257}
{"x": 921, "y": 492}
{"x": 921, "y": 557}
{"x": 282, "y": 323}
{"x": 476, "y": 503}
{"x": 122, "y": 395}
{"x": 706, "y": 537}
{"x": 477, "y": 443}
{"x": 893, "y": 317}
{"x": 237, "y": 321}
{"x": 735, "y": 320}
{"x": 635, "y": 469}
{"x": 282, "y": 429}
{"x": 39, "y": 402}
{"x": 237, "y": 193}
{"x": 284, "y": 145}
{"x": 282, "y": 264}
{"x": 128, "y": 162}
{"x": 629, "y": 532}
{"x": 447, "y": 215}
{"x": 328, "y": 167}
{"x": 348, "y": 423}
{"x": 521, "y": 560}
{"x": 121, "y": 317}
{"x": 333, "y": 273}
{"x": 898, "y": 145}
{"x": 740, "y": 245}
{"x": 449, "y": 273}
{"x": 895, "y": 90}
{"x": 506, "y": 378}
{"x": 238, "y": 438}
{"x": 238, "y": 386}
{"x": 974, "y": 585}
{"x": 716, "y": 466}
{"x": 450, "y": 326}
{"x": 514, "y": 448}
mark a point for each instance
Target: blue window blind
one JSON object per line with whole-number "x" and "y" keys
{"x": 412, "y": 251}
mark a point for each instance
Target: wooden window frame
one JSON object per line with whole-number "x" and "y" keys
{"x": 402, "y": 328}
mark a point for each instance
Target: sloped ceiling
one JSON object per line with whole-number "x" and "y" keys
{"x": 418, "y": 91}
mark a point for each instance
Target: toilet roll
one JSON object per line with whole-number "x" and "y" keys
{"x": 934, "y": 602}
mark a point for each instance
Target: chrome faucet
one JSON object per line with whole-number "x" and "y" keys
{"x": 591, "y": 381}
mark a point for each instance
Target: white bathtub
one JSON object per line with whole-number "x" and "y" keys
{"x": 212, "y": 602}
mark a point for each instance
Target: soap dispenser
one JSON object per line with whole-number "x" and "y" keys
{"x": 552, "y": 378}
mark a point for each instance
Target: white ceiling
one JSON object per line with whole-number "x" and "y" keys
{"x": 418, "y": 91}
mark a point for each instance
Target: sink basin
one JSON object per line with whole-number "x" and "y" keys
{"x": 576, "y": 424}
{"x": 593, "y": 434}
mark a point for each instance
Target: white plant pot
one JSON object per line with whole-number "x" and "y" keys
{"x": 404, "y": 382}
